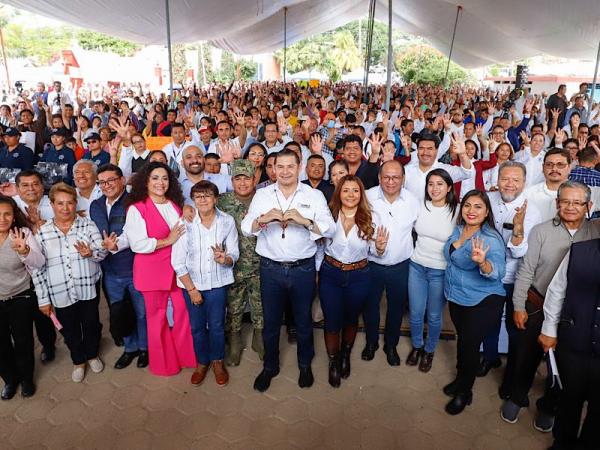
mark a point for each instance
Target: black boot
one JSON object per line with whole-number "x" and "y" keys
{"x": 345, "y": 367}
{"x": 334, "y": 370}
{"x": 459, "y": 403}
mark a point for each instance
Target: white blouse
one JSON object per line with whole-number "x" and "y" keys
{"x": 135, "y": 227}
{"x": 351, "y": 248}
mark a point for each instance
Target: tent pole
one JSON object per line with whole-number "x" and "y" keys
{"x": 5, "y": 60}
{"x": 458, "y": 10}
{"x": 369, "y": 50}
{"x": 594, "y": 80}
{"x": 390, "y": 57}
{"x": 284, "y": 43}
{"x": 169, "y": 51}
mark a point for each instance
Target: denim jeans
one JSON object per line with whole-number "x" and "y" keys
{"x": 425, "y": 293}
{"x": 115, "y": 288}
{"x": 279, "y": 283}
{"x": 490, "y": 342}
{"x": 394, "y": 280}
{"x": 207, "y": 322}
{"x": 343, "y": 295}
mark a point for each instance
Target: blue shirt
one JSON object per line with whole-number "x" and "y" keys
{"x": 464, "y": 283}
{"x": 63, "y": 156}
{"x": 100, "y": 159}
{"x": 223, "y": 183}
{"x": 585, "y": 175}
{"x": 21, "y": 157}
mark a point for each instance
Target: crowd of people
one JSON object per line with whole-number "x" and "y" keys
{"x": 269, "y": 196}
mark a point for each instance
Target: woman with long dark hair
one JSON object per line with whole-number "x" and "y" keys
{"x": 344, "y": 279}
{"x": 435, "y": 223}
{"x": 152, "y": 226}
{"x": 19, "y": 254}
{"x": 257, "y": 153}
{"x": 475, "y": 256}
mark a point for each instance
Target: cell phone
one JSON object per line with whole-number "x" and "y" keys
{"x": 331, "y": 124}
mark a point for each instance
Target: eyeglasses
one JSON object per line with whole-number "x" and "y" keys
{"x": 203, "y": 196}
{"x": 108, "y": 181}
{"x": 576, "y": 203}
{"x": 394, "y": 178}
{"x": 560, "y": 165}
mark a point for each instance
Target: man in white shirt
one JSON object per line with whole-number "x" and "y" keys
{"x": 174, "y": 150}
{"x": 84, "y": 175}
{"x": 288, "y": 218}
{"x": 57, "y": 98}
{"x": 397, "y": 209}
{"x": 556, "y": 168}
{"x": 513, "y": 219}
{"x": 274, "y": 142}
{"x": 427, "y": 154}
{"x": 193, "y": 172}
{"x": 225, "y": 146}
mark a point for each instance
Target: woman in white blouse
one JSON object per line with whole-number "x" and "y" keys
{"x": 203, "y": 260}
{"x": 434, "y": 225}
{"x": 19, "y": 253}
{"x": 504, "y": 152}
{"x": 344, "y": 279}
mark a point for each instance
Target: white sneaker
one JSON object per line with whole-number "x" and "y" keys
{"x": 96, "y": 365}
{"x": 78, "y": 374}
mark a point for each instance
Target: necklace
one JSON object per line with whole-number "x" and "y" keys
{"x": 283, "y": 224}
{"x": 348, "y": 216}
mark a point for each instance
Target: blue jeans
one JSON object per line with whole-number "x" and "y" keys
{"x": 207, "y": 322}
{"x": 394, "y": 280}
{"x": 277, "y": 284}
{"x": 490, "y": 341}
{"x": 343, "y": 295}
{"x": 425, "y": 293}
{"x": 115, "y": 290}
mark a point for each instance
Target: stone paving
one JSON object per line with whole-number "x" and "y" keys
{"x": 378, "y": 407}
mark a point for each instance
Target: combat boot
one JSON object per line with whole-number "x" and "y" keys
{"x": 235, "y": 349}
{"x": 257, "y": 343}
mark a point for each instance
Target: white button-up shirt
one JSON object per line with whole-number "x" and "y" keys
{"x": 414, "y": 179}
{"x": 136, "y": 231}
{"x": 504, "y": 212}
{"x": 555, "y": 298}
{"x": 44, "y": 208}
{"x": 543, "y": 199}
{"x": 350, "y": 248}
{"x": 192, "y": 254}
{"x": 535, "y": 173}
{"x": 128, "y": 154}
{"x": 223, "y": 183}
{"x": 398, "y": 218}
{"x": 83, "y": 204}
{"x": 298, "y": 243}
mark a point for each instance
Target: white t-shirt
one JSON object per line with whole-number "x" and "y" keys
{"x": 434, "y": 226}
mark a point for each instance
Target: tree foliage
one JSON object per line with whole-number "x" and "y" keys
{"x": 422, "y": 64}
{"x": 92, "y": 40}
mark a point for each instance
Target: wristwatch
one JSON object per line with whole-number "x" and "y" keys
{"x": 310, "y": 226}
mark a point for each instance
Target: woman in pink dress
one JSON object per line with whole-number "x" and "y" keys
{"x": 152, "y": 226}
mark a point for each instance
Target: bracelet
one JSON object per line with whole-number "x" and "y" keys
{"x": 192, "y": 290}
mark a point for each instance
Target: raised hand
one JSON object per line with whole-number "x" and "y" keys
{"x": 478, "y": 251}
{"x": 555, "y": 112}
{"x": 316, "y": 143}
{"x": 83, "y": 248}
{"x": 458, "y": 144}
{"x": 109, "y": 241}
{"x": 219, "y": 253}
{"x": 18, "y": 241}
{"x": 560, "y": 137}
{"x": 375, "y": 142}
{"x": 524, "y": 138}
{"x": 582, "y": 140}
{"x": 519, "y": 218}
{"x": 382, "y": 239}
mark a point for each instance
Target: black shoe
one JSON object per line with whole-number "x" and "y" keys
{"x": 451, "y": 389}
{"x": 9, "y": 391}
{"x": 486, "y": 366}
{"x": 263, "y": 380}
{"x": 345, "y": 366}
{"x": 335, "y": 370}
{"x": 27, "y": 389}
{"x": 143, "y": 359}
{"x": 414, "y": 356}
{"x": 393, "y": 358}
{"x": 305, "y": 379}
{"x": 47, "y": 355}
{"x": 368, "y": 352}
{"x": 459, "y": 403}
{"x": 292, "y": 336}
{"x": 125, "y": 359}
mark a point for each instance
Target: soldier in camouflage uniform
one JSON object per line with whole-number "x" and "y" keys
{"x": 246, "y": 288}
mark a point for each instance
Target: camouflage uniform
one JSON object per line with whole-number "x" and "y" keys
{"x": 246, "y": 287}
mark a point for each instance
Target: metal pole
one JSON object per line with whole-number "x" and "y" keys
{"x": 369, "y": 50}
{"x": 169, "y": 50}
{"x": 591, "y": 99}
{"x": 458, "y": 10}
{"x": 390, "y": 57}
{"x": 5, "y": 59}
{"x": 284, "y": 43}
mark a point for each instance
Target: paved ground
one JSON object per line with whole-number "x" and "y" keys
{"x": 378, "y": 407}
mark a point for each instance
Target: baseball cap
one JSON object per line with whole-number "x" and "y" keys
{"x": 58, "y": 132}
{"x": 95, "y": 136}
{"x": 12, "y": 131}
{"x": 203, "y": 129}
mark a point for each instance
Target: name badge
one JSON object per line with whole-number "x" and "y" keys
{"x": 61, "y": 157}
{"x": 15, "y": 155}
{"x": 303, "y": 205}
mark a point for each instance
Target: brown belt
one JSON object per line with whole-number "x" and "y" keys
{"x": 346, "y": 267}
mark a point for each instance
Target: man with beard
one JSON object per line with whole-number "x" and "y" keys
{"x": 246, "y": 287}
{"x": 193, "y": 165}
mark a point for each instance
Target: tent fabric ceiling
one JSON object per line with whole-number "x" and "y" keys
{"x": 489, "y": 31}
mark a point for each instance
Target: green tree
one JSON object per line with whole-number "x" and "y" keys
{"x": 345, "y": 53}
{"x": 425, "y": 65}
{"x": 179, "y": 62}
{"x": 92, "y": 40}
{"x": 43, "y": 44}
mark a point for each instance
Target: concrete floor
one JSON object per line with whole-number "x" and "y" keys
{"x": 378, "y": 407}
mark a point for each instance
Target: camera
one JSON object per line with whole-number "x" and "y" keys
{"x": 19, "y": 86}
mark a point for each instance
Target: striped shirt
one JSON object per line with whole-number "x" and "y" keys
{"x": 67, "y": 277}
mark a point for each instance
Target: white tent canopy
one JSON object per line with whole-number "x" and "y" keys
{"x": 489, "y": 31}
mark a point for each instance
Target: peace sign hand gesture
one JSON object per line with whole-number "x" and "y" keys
{"x": 478, "y": 252}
